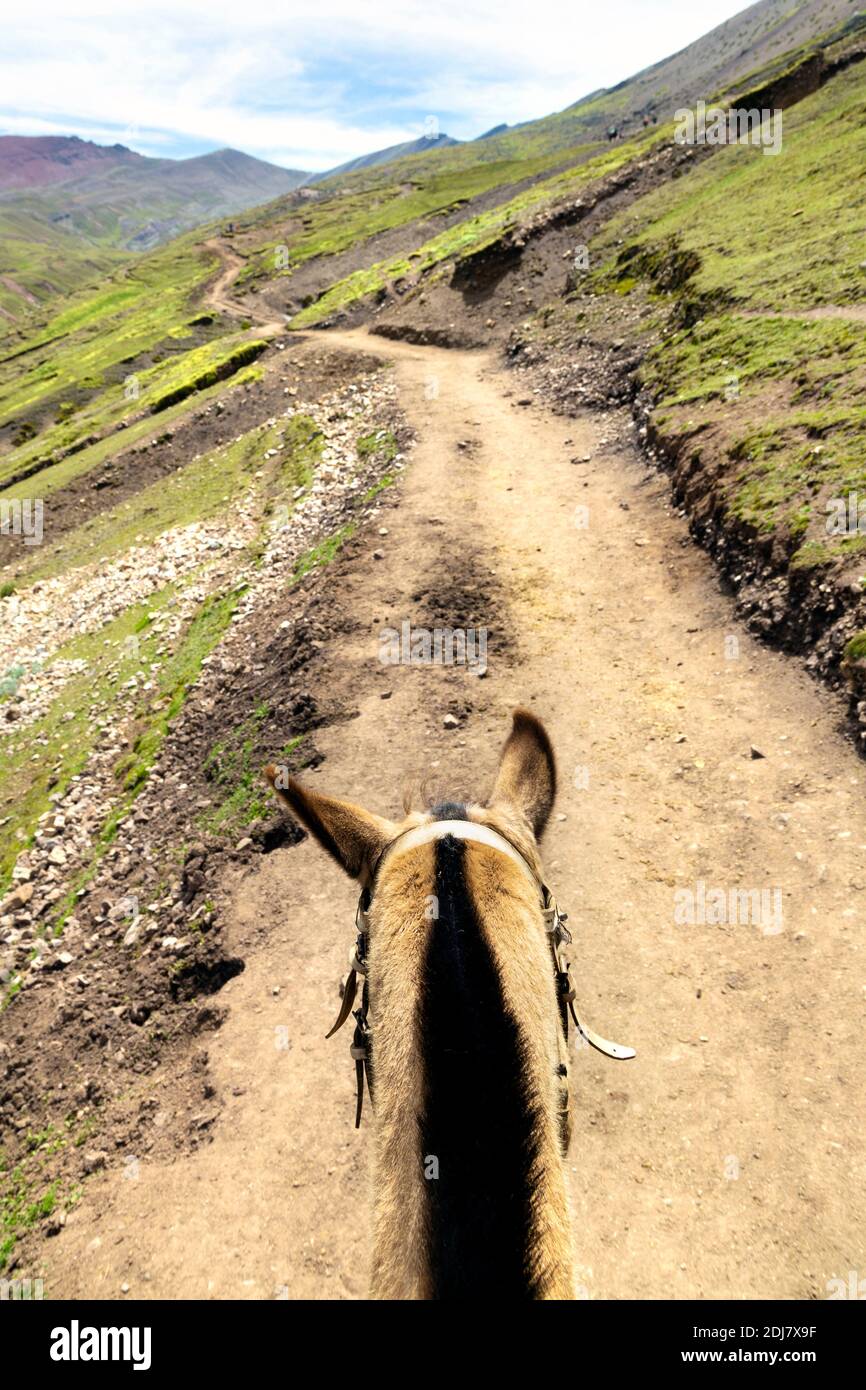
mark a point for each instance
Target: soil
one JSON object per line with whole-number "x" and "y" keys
{"x": 812, "y": 612}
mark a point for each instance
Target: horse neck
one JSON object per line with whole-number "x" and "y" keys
{"x": 470, "y": 1183}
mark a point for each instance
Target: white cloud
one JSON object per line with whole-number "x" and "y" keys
{"x": 319, "y": 84}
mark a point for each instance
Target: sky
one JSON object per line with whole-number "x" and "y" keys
{"x": 309, "y": 86}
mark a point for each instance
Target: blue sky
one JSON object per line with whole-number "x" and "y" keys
{"x": 310, "y": 86}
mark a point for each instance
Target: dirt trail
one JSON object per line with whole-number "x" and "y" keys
{"x": 728, "y": 1159}
{"x": 218, "y": 293}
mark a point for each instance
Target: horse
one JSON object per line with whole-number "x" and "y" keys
{"x": 461, "y": 1033}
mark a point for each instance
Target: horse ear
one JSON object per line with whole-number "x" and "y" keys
{"x": 353, "y": 836}
{"x": 526, "y": 780}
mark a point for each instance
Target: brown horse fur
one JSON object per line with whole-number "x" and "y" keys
{"x": 467, "y": 1044}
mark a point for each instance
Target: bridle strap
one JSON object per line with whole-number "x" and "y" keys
{"x": 458, "y": 830}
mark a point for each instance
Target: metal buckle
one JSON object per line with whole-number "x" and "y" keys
{"x": 554, "y": 920}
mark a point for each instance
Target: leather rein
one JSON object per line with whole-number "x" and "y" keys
{"x": 554, "y": 922}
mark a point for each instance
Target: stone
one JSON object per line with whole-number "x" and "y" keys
{"x": 18, "y": 898}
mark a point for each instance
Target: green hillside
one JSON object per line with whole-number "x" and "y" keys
{"x": 778, "y": 310}
{"x": 39, "y": 262}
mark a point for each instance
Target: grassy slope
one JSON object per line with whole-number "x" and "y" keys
{"x": 774, "y": 239}
{"x": 476, "y": 231}
{"x": 70, "y": 380}
{"x": 357, "y": 207}
{"x": 92, "y": 332}
{"x": 46, "y": 754}
{"x": 39, "y": 262}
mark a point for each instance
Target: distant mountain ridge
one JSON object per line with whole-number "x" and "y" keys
{"x": 424, "y": 145}
{"x": 70, "y": 209}
{"x": 32, "y": 161}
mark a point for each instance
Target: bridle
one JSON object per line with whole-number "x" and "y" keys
{"x": 554, "y": 922}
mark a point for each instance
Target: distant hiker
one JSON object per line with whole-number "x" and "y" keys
{"x": 612, "y": 132}
{"x": 646, "y": 121}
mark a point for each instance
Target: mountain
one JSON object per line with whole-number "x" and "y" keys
{"x": 111, "y": 196}
{"x": 39, "y": 261}
{"x": 33, "y": 161}
{"x": 742, "y": 52}
{"x": 70, "y": 209}
{"x": 425, "y": 145}
{"x": 735, "y": 54}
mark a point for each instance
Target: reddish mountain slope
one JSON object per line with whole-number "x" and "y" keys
{"x": 32, "y": 162}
